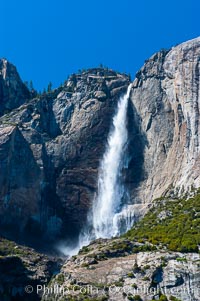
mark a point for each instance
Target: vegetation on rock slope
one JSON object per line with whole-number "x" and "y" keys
{"x": 139, "y": 257}
{"x": 173, "y": 223}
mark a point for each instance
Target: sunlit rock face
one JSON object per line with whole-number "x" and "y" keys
{"x": 12, "y": 90}
{"x": 166, "y": 101}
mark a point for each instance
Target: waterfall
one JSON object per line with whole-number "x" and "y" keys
{"x": 108, "y": 216}
{"x": 107, "y": 203}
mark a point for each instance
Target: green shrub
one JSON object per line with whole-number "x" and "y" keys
{"x": 134, "y": 298}
{"x": 146, "y": 278}
{"x": 178, "y": 231}
{"x": 118, "y": 283}
{"x": 172, "y": 298}
{"x": 163, "y": 298}
{"x": 84, "y": 250}
{"x": 181, "y": 259}
{"x": 85, "y": 265}
{"x": 131, "y": 275}
{"x": 60, "y": 279}
{"x": 134, "y": 285}
{"x": 137, "y": 298}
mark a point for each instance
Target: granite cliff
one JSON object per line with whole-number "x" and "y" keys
{"x": 51, "y": 145}
{"x": 13, "y": 91}
{"x": 166, "y": 102}
{"x": 50, "y": 152}
{"x": 50, "y": 149}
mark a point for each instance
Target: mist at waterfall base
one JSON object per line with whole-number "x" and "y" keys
{"x": 108, "y": 216}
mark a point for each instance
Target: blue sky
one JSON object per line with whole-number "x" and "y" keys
{"x": 48, "y": 40}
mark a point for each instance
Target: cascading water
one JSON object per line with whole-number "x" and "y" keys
{"x": 109, "y": 217}
{"x": 110, "y": 189}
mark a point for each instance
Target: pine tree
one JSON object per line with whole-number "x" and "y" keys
{"x": 49, "y": 87}
{"x": 31, "y": 85}
{"x": 26, "y": 84}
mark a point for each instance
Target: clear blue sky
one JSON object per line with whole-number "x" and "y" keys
{"x": 49, "y": 39}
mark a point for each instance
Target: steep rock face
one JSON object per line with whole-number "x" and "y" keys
{"x": 50, "y": 148}
{"x": 165, "y": 98}
{"x": 19, "y": 181}
{"x": 13, "y": 92}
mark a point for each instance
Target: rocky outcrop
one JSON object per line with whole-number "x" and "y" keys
{"x": 22, "y": 270}
{"x": 165, "y": 98}
{"x": 50, "y": 152}
{"x": 13, "y": 92}
{"x": 98, "y": 274}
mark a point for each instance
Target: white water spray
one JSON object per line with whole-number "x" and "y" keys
{"x": 108, "y": 217}
{"x": 110, "y": 188}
